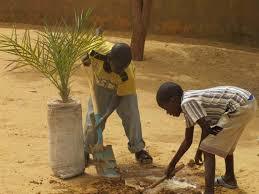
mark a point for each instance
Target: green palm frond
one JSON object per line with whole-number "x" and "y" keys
{"x": 55, "y": 50}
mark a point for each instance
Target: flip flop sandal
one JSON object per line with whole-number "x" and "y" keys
{"x": 143, "y": 157}
{"x": 219, "y": 181}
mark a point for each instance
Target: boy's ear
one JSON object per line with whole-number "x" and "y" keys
{"x": 175, "y": 99}
{"x": 172, "y": 100}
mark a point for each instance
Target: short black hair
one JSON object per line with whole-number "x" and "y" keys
{"x": 168, "y": 90}
{"x": 121, "y": 55}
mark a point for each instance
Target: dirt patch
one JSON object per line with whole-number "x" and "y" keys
{"x": 24, "y": 133}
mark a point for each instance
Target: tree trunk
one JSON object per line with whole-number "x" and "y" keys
{"x": 141, "y": 10}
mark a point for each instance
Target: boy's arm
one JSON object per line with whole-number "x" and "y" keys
{"x": 112, "y": 106}
{"x": 204, "y": 133}
{"x": 186, "y": 144}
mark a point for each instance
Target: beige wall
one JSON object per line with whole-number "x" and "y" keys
{"x": 232, "y": 20}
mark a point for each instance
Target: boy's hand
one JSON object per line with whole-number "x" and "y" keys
{"x": 86, "y": 60}
{"x": 215, "y": 130}
{"x": 198, "y": 158}
{"x": 101, "y": 123}
{"x": 206, "y": 129}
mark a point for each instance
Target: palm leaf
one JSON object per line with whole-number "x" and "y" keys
{"x": 55, "y": 50}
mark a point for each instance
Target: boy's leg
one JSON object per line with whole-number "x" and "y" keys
{"x": 209, "y": 160}
{"x": 229, "y": 176}
{"x": 129, "y": 114}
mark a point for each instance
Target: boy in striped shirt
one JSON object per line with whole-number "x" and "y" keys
{"x": 222, "y": 113}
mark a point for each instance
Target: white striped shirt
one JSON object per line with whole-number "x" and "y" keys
{"x": 212, "y": 103}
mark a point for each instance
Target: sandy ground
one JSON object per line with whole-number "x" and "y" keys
{"x": 24, "y": 132}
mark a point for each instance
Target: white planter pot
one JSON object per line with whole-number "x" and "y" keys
{"x": 66, "y": 148}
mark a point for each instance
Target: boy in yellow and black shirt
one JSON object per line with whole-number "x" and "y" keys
{"x": 112, "y": 79}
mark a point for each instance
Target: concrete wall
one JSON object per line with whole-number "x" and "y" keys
{"x": 231, "y": 20}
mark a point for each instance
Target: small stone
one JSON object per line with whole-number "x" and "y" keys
{"x": 241, "y": 170}
{"x": 10, "y": 99}
{"x": 181, "y": 179}
{"x": 52, "y": 181}
{"x": 35, "y": 182}
{"x": 191, "y": 163}
{"x": 20, "y": 161}
{"x": 33, "y": 91}
{"x": 173, "y": 151}
{"x": 257, "y": 154}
